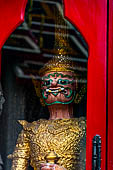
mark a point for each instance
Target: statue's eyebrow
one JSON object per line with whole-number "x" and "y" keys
{"x": 57, "y": 74}
{"x": 64, "y": 75}
{"x": 48, "y": 76}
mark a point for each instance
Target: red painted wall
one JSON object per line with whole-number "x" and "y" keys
{"x": 90, "y": 17}
{"x": 110, "y": 89}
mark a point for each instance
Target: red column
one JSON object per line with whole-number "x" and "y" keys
{"x": 110, "y": 88}
{"x": 90, "y": 17}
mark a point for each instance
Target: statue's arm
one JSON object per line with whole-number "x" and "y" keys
{"x": 22, "y": 152}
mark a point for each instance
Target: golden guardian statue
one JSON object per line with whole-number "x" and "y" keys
{"x": 57, "y": 143}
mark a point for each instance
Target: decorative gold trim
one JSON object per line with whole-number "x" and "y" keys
{"x": 51, "y": 157}
{"x": 57, "y": 64}
{"x": 37, "y": 87}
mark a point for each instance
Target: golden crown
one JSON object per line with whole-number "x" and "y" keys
{"x": 58, "y": 63}
{"x": 61, "y": 61}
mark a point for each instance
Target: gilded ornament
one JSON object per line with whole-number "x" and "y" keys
{"x": 46, "y": 140}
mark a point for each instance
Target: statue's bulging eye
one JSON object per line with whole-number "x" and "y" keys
{"x": 63, "y": 82}
{"x": 47, "y": 82}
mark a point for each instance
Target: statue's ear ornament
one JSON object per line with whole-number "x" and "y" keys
{"x": 37, "y": 86}
{"x": 80, "y": 94}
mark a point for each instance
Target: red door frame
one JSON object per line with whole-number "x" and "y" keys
{"x": 110, "y": 89}
{"x": 90, "y": 17}
{"x": 11, "y": 16}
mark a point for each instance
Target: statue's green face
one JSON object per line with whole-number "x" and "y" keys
{"x": 58, "y": 88}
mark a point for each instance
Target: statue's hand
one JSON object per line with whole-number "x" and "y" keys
{"x": 48, "y": 166}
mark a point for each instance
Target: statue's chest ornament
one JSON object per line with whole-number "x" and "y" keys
{"x": 57, "y": 140}
{"x": 55, "y": 129}
{"x": 55, "y": 136}
{"x": 58, "y": 128}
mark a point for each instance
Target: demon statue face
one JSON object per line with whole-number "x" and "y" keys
{"x": 58, "y": 88}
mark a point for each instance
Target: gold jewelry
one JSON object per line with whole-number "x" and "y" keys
{"x": 51, "y": 157}
{"x": 38, "y": 90}
{"x": 57, "y": 64}
{"x": 80, "y": 94}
